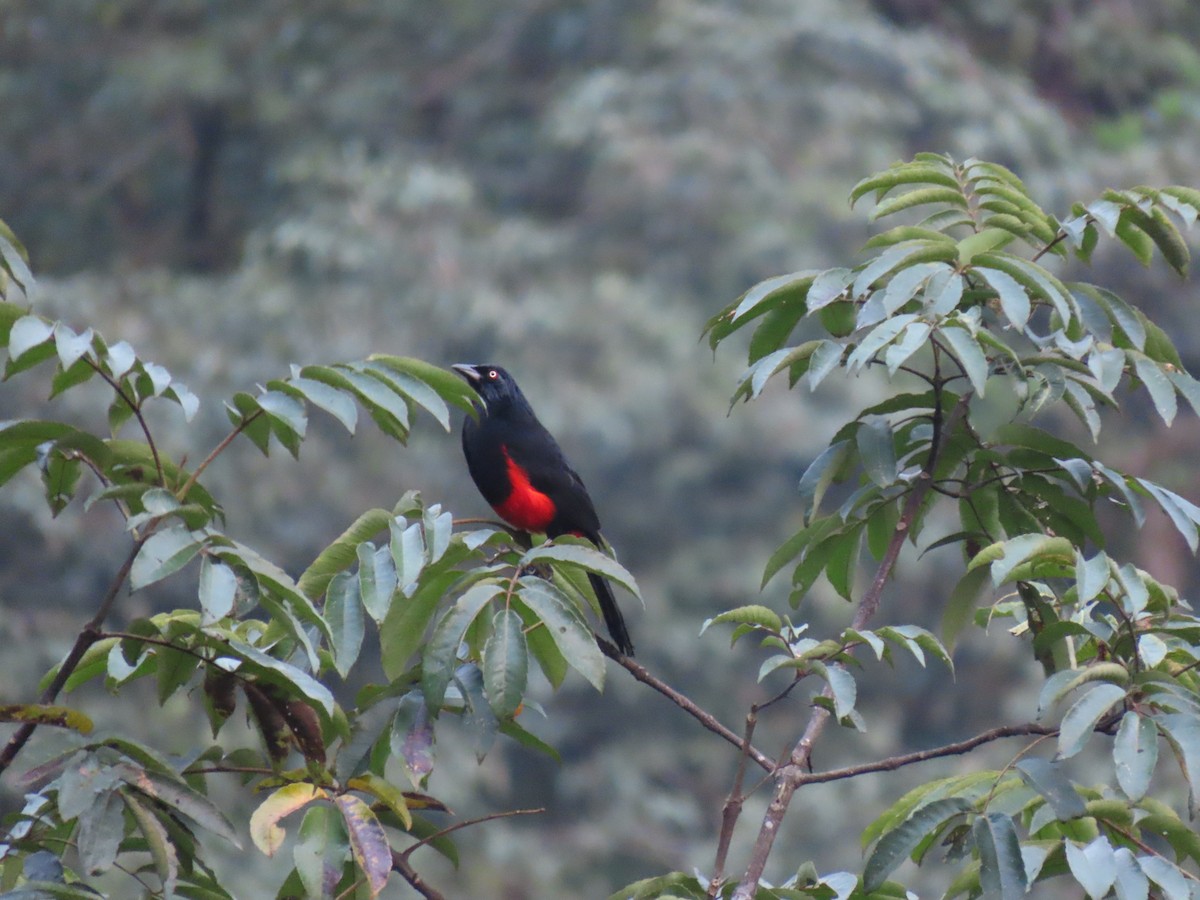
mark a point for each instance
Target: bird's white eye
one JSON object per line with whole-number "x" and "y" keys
{"x": 493, "y": 374}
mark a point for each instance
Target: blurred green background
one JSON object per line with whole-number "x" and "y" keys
{"x": 570, "y": 189}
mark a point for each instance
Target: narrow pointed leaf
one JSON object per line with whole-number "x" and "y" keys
{"x": 1094, "y": 866}
{"x": 1001, "y": 865}
{"x": 896, "y": 845}
{"x": 1135, "y": 754}
{"x": 1047, "y": 779}
{"x": 1081, "y": 718}
{"x": 165, "y": 553}
{"x": 344, "y": 613}
{"x": 568, "y": 630}
{"x": 505, "y": 664}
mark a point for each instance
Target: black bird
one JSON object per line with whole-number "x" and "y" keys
{"x": 522, "y": 473}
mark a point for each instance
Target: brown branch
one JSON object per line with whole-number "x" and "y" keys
{"x": 88, "y": 636}
{"x": 733, "y": 806}
{"x": 790, "y": 776}
{"x": 409, "y": 874}
{"x": 1058, "y": 239}
{"x": 705, "y": 718}
{"x": 136, "y": 409}
{"x": 907, "y": 759}
{"x": 241, "y": 426}
{"x": 467, "y": 823}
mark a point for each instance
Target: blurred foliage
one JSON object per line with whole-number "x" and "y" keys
{"x": 570, "y": 188}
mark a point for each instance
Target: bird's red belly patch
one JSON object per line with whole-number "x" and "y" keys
{"x": 525, "y": 507}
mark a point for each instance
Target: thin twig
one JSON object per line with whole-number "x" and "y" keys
{"x": 907, "y": 759}
{"x": 241, "y": 426}
{"x": 88, "y": 636}
{"x": 705, "y": 718}
{"x": 467, "y": 823}
{"x": 137, "y": 412}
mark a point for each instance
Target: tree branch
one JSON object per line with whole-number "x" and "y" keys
{"x": 790, "y": 776}
{"x": 88, "y": 636}
{"x": 409, "y": 874}
{"x": 907, "y": 759}
{"x": 705, "y": 718}
{"x": 241, "y": 426}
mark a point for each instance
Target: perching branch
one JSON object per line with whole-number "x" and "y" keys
{"x": 705, "y": 718}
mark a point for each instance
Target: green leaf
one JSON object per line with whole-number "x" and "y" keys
{"x": 26, "y": 333}
{"x": 342, "y": 553}
{"x": 1183, "y": 514}
{"x": 344, "y": 613}
{"x": 1169, "y": 877}
{"x": 1077, "y": 725}
{"x": 441, "y": 653}
{"x": 447, "y": 385}
{"x": 1164, "y": 234}
{"x": 372, "y": 392}
{"x": 960, "y": 608}
{"x": 1182, "y": 732}
{"x": 951, "y": 196}
{"x": 842, "y": 686}
{"x": 1135, "y": 754}
{"x": 1121, "y": 314}
{"x": 1047, "y": 779}
{"x": 899, "y": 843}
{"x": 163, "y": 554}
{"x": 1131, "y": 882}
{"x": 320, "y": 850}
{"x": 218, "y": 590}
{"x": 746, "y": 615}
{"x": 101, "y": 828}
{"x": 826, "y": 358}
{"x": 1091, "y": 575}
{"x": 878, "y": 338}
{"x": 1001, "y": 866}
{"x": 162, "y": 852}
{"x": 981, "y": 242}
{"x": 323, "y": 396}
{"x": 290, "y": 676}
{"x": 586, "y": 558}
{"x": 506, "y": 664}
{"x": 1162, "y": 391}
{"x": 404, "y": 626}
{"x": 902, "y": 174}
{"x": 970, "y": 356}
{"x": 1093, "y": 866}
{"x": 901, "y": 256}
{"x": 914, "y": 337}
{"x": 877, "y": 447}
{"x": 566, "y": 627}
{"x": 376, "y": 579}
{"x": 181, "y": 798}
{"x": 1013, "y": 299}
{"x": 1031, "y": 548}
{"x": 408, "y": 553}
{"x": 772, "y": 292}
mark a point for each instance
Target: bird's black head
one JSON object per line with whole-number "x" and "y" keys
{"x": 493, "y": 384}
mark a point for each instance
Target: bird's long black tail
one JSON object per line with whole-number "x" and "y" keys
{"x": 612, "y": 614}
